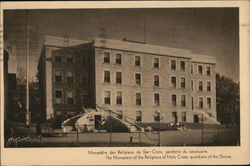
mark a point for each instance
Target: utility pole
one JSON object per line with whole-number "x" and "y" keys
{"x": 27, "y": 114}
{"x": 144, "y": 25}
{"x": 202, "y": 121}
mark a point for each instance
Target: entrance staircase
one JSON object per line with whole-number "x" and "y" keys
{"x": 128, "y": 121}
{"x": 207, "y": 118}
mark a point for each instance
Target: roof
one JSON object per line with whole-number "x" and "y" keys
{"x": 61, "y": 42}
{"x": 130, "y": 46}
{"x": 203, "y": 58}
{"x": 152, "y": 49}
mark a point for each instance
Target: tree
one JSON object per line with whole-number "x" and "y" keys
{"x": 227, "y": 96}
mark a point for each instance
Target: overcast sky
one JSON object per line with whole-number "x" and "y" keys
{"x": 210, "y": 31}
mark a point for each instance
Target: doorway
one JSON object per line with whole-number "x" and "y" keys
{"x": 196, "y": 119}
{"x": 98, "y": 121}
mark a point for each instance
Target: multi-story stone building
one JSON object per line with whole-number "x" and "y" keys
{"x": 138, "y": 80}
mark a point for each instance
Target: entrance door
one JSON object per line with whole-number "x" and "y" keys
{"x": 174, "y": 117}
{"x": 196, "y": 119}
{"x": 98, "y": 120}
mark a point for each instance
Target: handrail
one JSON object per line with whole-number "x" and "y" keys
{"x": 123, "y": 119}
{"x": 115, "y": 112}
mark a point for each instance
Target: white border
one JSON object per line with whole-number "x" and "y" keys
{"x": 76, "y": 156}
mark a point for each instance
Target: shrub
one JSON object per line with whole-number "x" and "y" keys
{"x": 57, "y": 122}
{"x": 114, "y": 125}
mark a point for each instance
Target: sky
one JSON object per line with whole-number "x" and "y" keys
{"x": 209, "y": 31}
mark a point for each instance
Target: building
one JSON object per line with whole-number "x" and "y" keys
{"x": 5, "y": 76}
{"x": 142, "y": 81}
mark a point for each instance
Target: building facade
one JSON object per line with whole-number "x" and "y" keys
{"x": 141, "y": 81}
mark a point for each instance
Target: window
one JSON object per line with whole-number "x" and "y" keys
{"x": 85, "y": 59}
{"x": 208, "y": 86}
{"x": 70, "y": 98}
{"x": 173, "y": 99}
{"x": 58, "y": 76}
{"x": 58, "y": 57}
{"x": 156, "y": 99}
{"x": 156, "y": 80}
{"x": 183, "y": 82}
{"x": 106, "y": 58}
{"x": 200, "y": 85}
{"x": 201, "y": 102}
{"x": 107, "y": 97}
{"x": 183, "y": 116}
{"x": 137, "y": 61}
{"x": 58, "y": 96}
{"x": 118, "y": 77}
{"x": 192, "y": 71}
{"x": 119, "y": 114}
{"x": 156, "y": 63}
{"x": 138, "y": 116}
{"x": 69, "y": 58}
{"x": 200, "y": 69}
{"x": 182, "y": 65}
{"x": 58, "y": 113}
{"x": 70, "y": 78}
{"x": 209, "y": 102}
{"x": 107, "y": 76}
{"x": 118, "y": 59}
{"x": 138, "y": 98}
{"x": 173, "y": 64}
{"x": 119, "y": 98}
{"x": 138, "y": 79}
{"x": 192, "y": 84}
{"x": 183, "y": 100}
{"x": 174, "y": 117}
{"x": 208, "y": 70}
{"x": 85, "y": 79}
{"x": 173, "y": 81}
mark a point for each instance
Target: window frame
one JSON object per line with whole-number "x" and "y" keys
{"x": 104, "y": 98}
{"x": 104, "y": 76}
{"x": 201, "y": 84}
{"x": 158, "y": 63}
{"x": 156, "y": 83}
{"x": 185, "y": 100}
{"x": 171, "y": 97}
{"x": 118, "y": 99}
{"x": 73, "y": 97}
{"x": 209, "y": 107}
{"x": 210, "y": 87}
{"x": 198, "y": 69}
{"x": 138, "y": 118}
{"x": 68, "y": 77}
{"x": 57, "y": 76}
{"x": 140, "y": 61}
{"x": 135, "y": 81}
{"x": 109, "y": 58}
{"x": 182, "y": 82}
{"x": 157, "y": 103}
{"x": 118, "y": 59}
{"x": 61, "y": 98}
{"x": 136, "y": 99}
{"x": 208, "y": 70}
{"x": 116, "y": 78}
{"x": 175, "y": 81}
{"x": 67, "y": 56}
{"x": 184, "y": 65}
{"x": 201, "y": 97}
{"x": 171, "y": 64}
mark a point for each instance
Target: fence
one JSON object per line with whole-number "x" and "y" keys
{"x": 78, "y": 134}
